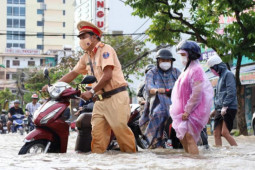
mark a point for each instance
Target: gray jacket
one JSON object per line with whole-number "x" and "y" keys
{"x": 226, "y": 89}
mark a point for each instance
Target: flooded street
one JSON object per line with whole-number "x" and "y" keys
{"x": 226, "y": 157}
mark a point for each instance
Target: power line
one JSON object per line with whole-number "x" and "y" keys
{"x": 56, "y": 35}
{"x": 122, "y": 1}
{"x": 142, "y": 25}
{"x": 136, "y": 38}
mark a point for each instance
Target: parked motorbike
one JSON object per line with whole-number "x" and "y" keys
{"x": 51, "y": 130}
{"x": 173, "y": 142}
{"x": 17, "y": 123}
{"x": 3, "y": 121}
{"x": 28, "y": 123}
{"x": 83, "y": 124}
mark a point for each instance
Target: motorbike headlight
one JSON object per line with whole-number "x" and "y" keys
{"x": 45, "y": 119}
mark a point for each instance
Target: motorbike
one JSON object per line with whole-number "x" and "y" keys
{"x": 3, "y": 121}
{"x": 28, "y": 124}
{"x": 51, "y": 129}
{"x": 170, "y": 136}
{"x": 18, "y": 123}
{"x": 83, "y": 124}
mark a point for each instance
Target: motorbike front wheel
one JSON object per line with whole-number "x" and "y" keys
{"x": 34, "y": 147}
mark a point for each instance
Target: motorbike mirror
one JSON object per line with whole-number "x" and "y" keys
{"x": 89, "y": 80}
{"x": 46, "y": 72}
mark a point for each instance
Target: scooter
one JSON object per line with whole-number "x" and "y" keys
{"x": 51, "y": 129}
{"x": 18, "y": 123}
{"x": 28, "y": 123}
{"x": 3, "y": 121}
{"x": 83, "y": 124}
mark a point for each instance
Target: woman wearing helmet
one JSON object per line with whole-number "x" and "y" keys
{"x": 192, "y": 98}
{"x": 225, "y": 101}
{"x": 158, "y": 84}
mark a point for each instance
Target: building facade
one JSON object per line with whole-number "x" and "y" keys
{"x": 16, "y": 60}
{"x": 36, "y": 24}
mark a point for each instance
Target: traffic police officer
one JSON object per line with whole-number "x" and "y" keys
{"x": 112, "y": 111}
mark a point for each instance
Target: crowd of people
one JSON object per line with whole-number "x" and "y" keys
{"x": 184, "y": 97}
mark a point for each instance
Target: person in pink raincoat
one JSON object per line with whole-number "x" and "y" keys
{"x": 192, "y": 98}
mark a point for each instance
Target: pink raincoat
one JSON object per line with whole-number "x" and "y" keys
{"x": 192, "y": 93}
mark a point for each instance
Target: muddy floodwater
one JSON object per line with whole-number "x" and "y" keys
{"x": 226, "y": 157}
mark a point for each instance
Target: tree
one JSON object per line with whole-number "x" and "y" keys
{"x": 6, "y": 94}
{"x": 129, "y": 50}
{"x": 201, "y": 22}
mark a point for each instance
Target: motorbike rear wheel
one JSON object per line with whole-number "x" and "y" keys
{"x": 142, "y": 143}
{"x": 34, "y": 147}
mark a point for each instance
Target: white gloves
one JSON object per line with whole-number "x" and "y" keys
{"x": 223, "y": 111}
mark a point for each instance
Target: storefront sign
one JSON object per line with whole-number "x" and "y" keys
{"x": 22, "y": 51}
{"x": 100, "y": 14}
{"x": 247, "y": 78}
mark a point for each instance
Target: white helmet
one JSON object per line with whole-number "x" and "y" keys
{"x": 214, "y": 60}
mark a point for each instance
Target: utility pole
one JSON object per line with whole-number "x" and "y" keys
{"x": 20, "y": 87}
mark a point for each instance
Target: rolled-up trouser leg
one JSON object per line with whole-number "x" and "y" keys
{"x": 117, "y": 115}
{"x": 101, "y": 131}
{"x": 112, "y": 113}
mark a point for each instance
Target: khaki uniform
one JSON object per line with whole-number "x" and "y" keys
{"x": 110, "y": 113}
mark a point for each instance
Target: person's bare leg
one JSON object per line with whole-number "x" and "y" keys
{"x": 184, "y": 144}
{"x": 192, "y": 145}
{"x": 227, "y": 136}
{"x": 217, "y": 135}
{"x": 9, "y": 123}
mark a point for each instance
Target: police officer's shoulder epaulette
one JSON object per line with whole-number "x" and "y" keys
{"x": 101, "y": 45}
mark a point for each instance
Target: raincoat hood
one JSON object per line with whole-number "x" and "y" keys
{"x": 220, "y": 68}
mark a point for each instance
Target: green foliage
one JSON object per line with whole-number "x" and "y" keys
{"x": 27, "y": 97}
{"x": 129, "y": 50}
{"x": 201, "y": 22}
{"x": 6, "y": 95}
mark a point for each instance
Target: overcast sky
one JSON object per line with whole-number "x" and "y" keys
{"x": 120, "y": 18}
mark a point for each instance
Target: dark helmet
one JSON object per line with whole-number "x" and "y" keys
{"x": 148, "y": 67}
{"x": 165, "y": 54}
{"x": 191, "y": 47}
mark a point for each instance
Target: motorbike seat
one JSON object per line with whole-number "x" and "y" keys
{"x": 84, "y": 120}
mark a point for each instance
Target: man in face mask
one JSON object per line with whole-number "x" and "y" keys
{"x": 159, "y": 83}
{"x": 111, "y": 110}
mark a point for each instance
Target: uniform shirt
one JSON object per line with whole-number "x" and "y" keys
{"x": 31, "y": 108}
{"x": 101, "y": 56}
{"x": 14, "y": 111}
